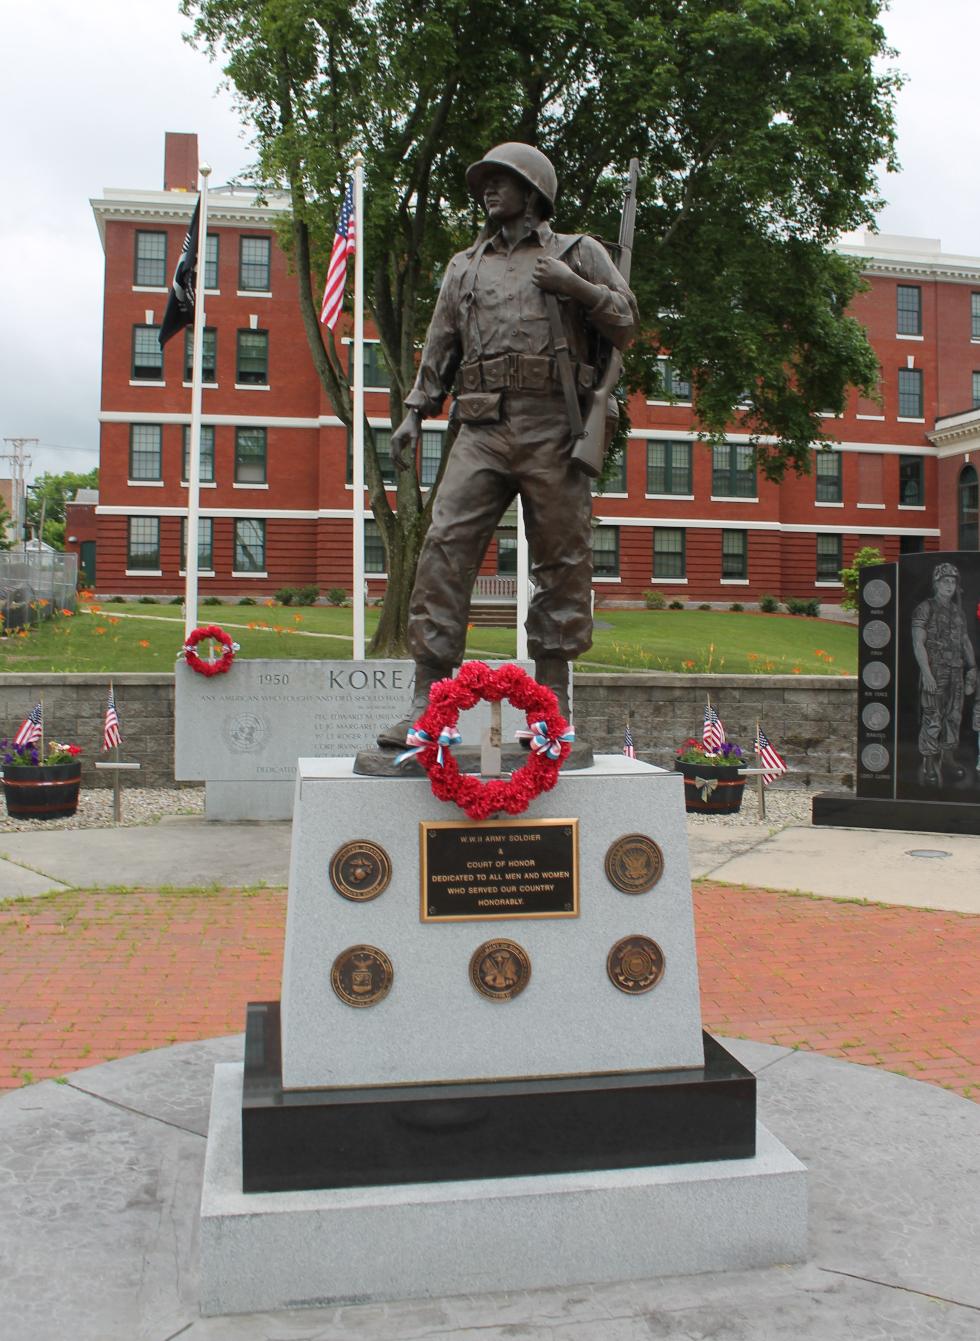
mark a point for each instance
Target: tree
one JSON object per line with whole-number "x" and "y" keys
{"x": 6, "y": 527}
{"x": 851, "y": 577}
{"x": 48, "y": 495}
{"x": 758, "y": 125}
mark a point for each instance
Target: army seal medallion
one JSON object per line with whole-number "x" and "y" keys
{"x": 635, "y": 964}
{"x": 362, "y": 975}
{"x": 360, "y": 870}
{"x": 500, "y": 970}
{"x": 634, "y": 863}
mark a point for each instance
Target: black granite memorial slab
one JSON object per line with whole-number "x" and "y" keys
{"x": 305, "y": 1139}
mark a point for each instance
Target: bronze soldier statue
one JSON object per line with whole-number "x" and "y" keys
{"x": 492, "y": 343}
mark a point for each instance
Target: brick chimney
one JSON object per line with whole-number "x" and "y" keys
{"x": 180, "y": 162}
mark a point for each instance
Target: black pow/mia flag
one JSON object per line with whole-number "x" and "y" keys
{"x": 180, "y": 300}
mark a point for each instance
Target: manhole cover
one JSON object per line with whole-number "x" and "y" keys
{"x": 931, "y": 853}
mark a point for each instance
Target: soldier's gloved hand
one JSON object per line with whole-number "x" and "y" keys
{"x": 404, "y": 439}
{"x": 970, "y": 683}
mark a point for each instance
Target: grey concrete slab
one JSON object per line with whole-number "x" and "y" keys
{"x": 21, "y": 882}
{"x": 179, "y": 851}
{"x": 99, "y": 1206}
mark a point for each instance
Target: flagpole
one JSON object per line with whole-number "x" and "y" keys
{"x": 760, "y": 780}
{"x": 357, "y": 595}
{"x": 523, "y": 578}
{"x": 194, "y": 465}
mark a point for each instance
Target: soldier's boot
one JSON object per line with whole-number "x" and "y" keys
{"x": 951, "y": 770}
{"x": 393, "y": 737}
{"x": 930, "y": 771}
{"x": 553, "y": 672}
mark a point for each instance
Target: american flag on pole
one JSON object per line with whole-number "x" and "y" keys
{"x": 30, "y": 727}
{"x": 343, "y": 246}
{"x": 111, "y": 735}
{"x": 768, "y": 757}
{"x": 713, "y": 732}
{"x": 628, "y": 747}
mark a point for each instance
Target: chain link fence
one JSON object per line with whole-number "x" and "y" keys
{"x": 35, "y": 583}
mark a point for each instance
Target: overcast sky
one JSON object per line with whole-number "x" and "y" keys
{"x": 89, "y": 89}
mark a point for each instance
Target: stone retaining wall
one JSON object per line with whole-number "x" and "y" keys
{"x": 809, "y": 718}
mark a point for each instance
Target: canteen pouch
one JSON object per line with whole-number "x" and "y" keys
{"x": 480, "y": 407}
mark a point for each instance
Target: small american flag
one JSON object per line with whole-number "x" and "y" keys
{"x": 111, "y": 735}
{"x": 628, "y": 747}
{"x": 31, "y": 727}
{"x": 343, "y": 245}
{"x": 768, "y": 757}
{"x": 713, "y": 732}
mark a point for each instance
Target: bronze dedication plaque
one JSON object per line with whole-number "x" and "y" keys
{"x": 635, "y": 964}
{"x": 500, "y": 970}
{"x": 634, "y": 863}
{"x": 362, "y": 975}
{"x": 360, "y": 870}
{"x": 494, "y": 870}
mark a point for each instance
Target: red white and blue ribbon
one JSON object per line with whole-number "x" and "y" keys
{"x": 418, "y": 740}
{"x": 542, "y": 743}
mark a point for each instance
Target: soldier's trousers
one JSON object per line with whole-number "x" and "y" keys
{"x": 941, "y": 712}
{"x": 528, "y": 453}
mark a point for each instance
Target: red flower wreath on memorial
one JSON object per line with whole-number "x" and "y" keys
{"x": 219, "y": 667}
{"x": 435, "y": 733}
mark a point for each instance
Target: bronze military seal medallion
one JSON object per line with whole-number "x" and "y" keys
{"x": 362, "y": 975}
{"x": 360, "y": 870}
{"x": 500, "y": 970}
{"x": 634, "y": 863}
{"x": 635, "y": 964}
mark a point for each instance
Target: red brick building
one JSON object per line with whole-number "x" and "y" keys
{"x": 694, "y": 521}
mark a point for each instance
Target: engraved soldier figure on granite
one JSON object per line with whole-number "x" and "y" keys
{"x": 948, "y": 673}
{"x": 492, "y": 343}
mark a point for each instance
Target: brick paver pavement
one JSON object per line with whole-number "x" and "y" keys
{"x": 86, "y": 977}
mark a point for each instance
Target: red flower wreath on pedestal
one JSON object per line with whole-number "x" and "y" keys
{"x": 219, "y": 667}
{"x": 434, "y": 734}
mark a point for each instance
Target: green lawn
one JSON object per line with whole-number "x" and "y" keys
{"x": 134, "y": 637}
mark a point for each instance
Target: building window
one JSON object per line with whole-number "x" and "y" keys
{"x": 209, "y": 354}
{"x": 911, "y": 481}
{"x": 669, "y": 551}
{"x": 147, "y": 354}
{"x": 207, "y": 454}
{"x": 830, "y": 558}
{"x": 676, "y": 385}
{"x": 250, "y": 453}
{"x": 976, "y": 391}
{"x": 669, "y": 468}
{"x": 975, "y": 316}
{"x": 253, "y": 358}
{"x": 506, "y": 554}
{"x": 151, "y": 260}
{"x": 144, "y": 451}
{"x": 616, "y": 479}
{"x": 605, "y": 551}
{"x": 374, "y": 549}
{"x": 143, "y": 544}
{"x": 431, "y": 454}
{"x": 211, "y": 261}
{"x": 910, "y": 393}
{"x": 376, "y": 372}
{"x": 249, "y": 545}
{"x": 909, "y": 310}
{"x": 828, "y": 471}
{"x": 910, "y": 544}
{"x": 253, "y": 264}
{"x": 733, "y": 472}
{"x": 205, "y": 544}
{"x": 735, "y": 554}
{"x": 382, "y": 441}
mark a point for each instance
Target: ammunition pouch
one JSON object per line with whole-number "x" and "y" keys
{"x": 518, "y": 372}
{"x": 479, "y": 407}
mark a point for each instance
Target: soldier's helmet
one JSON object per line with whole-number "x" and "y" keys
{"x": 942, "y": 570}
{"x": 529, "y": 163}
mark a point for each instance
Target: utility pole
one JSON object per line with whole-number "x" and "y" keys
{"x": 19, "y": 459}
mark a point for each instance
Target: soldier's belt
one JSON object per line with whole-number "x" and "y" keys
{"x": 520, "y": 372}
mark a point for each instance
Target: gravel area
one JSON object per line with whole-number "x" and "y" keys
{"x": 140, "y": 805}
{"x": 784, "y": 806}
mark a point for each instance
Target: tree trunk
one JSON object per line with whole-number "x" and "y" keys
{"x": 390, "y": 636}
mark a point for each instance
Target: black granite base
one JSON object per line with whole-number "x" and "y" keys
{"x": 847, "y": 811}
{"x": 298, "y": 1139}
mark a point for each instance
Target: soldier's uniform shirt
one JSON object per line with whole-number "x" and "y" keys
{"x": 489, "y": 307}
{"x": 941, "y": 710}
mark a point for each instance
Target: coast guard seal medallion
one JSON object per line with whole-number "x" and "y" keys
{"x": 635, "y": 964}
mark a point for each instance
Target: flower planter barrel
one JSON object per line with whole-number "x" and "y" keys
{"x": 724, "y": 797}
{"x": 44, "y": 791}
